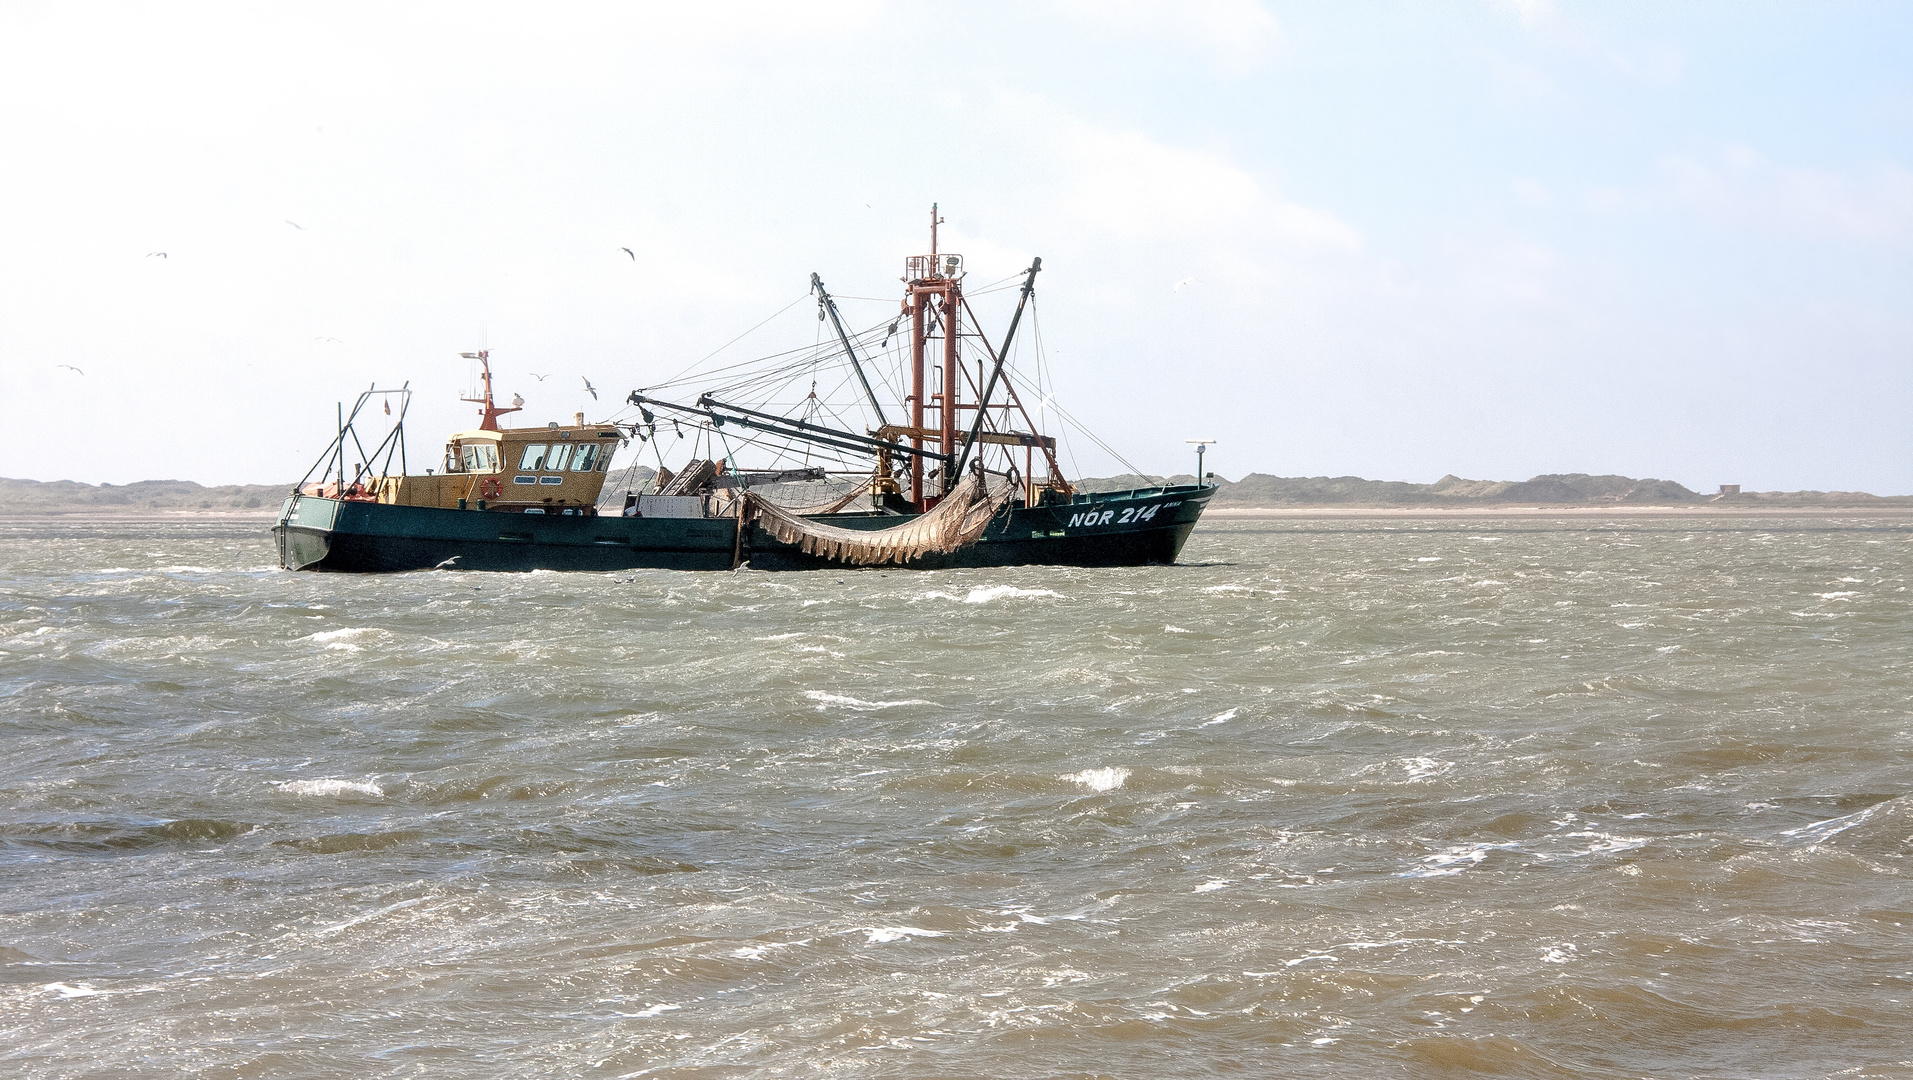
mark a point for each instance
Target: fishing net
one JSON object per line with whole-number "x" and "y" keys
{"x": 955, "y": 522}
{"x": 830, "y": 507}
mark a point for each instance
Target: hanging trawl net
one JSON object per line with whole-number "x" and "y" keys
{"x": 831, "y": 507}
{"x": 957, "y": 521}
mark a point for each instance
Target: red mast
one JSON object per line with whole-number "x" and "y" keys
{"x": 490, "y": 412}
{"x": 933, "y": 279}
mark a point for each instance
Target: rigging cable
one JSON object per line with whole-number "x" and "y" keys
{"x": 736, "y": 339}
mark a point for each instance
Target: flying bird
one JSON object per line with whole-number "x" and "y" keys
{"x": 593, "y": 389}
{"x": 71, "y": 368}
{"x": 1184, "y": 281}
{"x": 448, "y": 562}
{"x": 161, "y": 254}
{"x": 628, "y": 251}
{"x": 334, "y": 340}
{"x": 295, "y": 225}
{"x": 535, "y": 375}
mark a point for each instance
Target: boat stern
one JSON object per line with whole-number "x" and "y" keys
{"x": 303, "y": 531}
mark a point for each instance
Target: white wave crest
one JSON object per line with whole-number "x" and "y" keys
{"x": 68, "y": 993}
{"x": 1821, "y": 831}
{"x": 1456, "y": 859}
{"x": 343, "y": 640}
{"x": 1605, "y": 844}
{"x": 1099, "y": 779}
{"x": 825, "y": 701}
{"x": 330, "y": 786}
{"x": 985, "y": 594}
{"x": 1421, "y": 768}
{"x": 880, "y": 934}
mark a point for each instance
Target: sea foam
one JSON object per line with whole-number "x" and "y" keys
{"x": 1099, "y": 779}
{"x": 330, "y": 786}
{"x": 880, "y": 934}
{"x": 986, "y": 594}
{"x": 825, "y": 701}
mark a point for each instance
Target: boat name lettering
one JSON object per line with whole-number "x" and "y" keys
{"x": 1131, "y": 516}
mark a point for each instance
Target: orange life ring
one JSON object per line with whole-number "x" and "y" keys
{"x": 491, "y": 488}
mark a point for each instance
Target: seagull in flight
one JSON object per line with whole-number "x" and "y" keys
{"x": 446, "y": 565}
{"x": 334, "y": 340}
{"x": 295, "y": 225}
{"x": 161, "y": 254}
{"x": 593, "y": 389}
{"x": 628, "y": 251}
{"x": 535, "y": 375}
{"x": 71, "y": 368}
{"x": 1184, "y": 281}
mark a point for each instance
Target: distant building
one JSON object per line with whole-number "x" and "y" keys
{"x": 1729, "y": 489}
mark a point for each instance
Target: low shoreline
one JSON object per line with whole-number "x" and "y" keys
{"x": 122, "y": 514}
{"x": 265, "y": 515}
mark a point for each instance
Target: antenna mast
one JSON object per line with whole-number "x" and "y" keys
{"x": 490, "y": 412}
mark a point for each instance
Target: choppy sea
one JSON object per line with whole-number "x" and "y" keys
{"x": 1332, "y": 798}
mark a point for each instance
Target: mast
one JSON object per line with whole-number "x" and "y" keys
{"x": 490, "y": 412}
{"x": 947, "y": 415}
{"x": 933, "y": 279}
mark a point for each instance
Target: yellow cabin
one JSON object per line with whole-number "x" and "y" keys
{"x": 554, "y": 468}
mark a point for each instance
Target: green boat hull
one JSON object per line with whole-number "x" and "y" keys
{"x": 1125, "y": 528}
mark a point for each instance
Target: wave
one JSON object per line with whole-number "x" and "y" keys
{"x": 1099, "y": 779}
{"x": 985, "y": 594}
{"x": 331, "y": 786}
{"x": 878, "y": 935}
{"x": 825, "y": 701}
{"x": 343, "y": 640}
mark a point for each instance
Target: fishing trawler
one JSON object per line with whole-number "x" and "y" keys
{"x": 944, "y": 475}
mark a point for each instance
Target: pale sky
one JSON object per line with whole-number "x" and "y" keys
{"x": 1493, "y": 239}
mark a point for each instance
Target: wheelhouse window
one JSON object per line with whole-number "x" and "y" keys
{"x": 453, "y": 461}
{"x": 585, "y": 459}
{"x": 480, "y": 457}
{"x": 556, "y": 457}
{"x": 534, "y": 457}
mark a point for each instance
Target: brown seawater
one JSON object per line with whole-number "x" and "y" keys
{"x": 1332, "y": 798}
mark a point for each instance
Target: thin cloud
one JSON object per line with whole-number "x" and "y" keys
{"x": 1235, "y": 34}
{"x": 1744, "y": 191}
